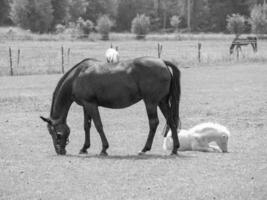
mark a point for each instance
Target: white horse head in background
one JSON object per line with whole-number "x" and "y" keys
{"x": 112, "y": 55}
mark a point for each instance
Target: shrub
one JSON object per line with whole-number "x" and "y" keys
{"x": 84, "y": 27}
{"x": 40, "y": 17}
{"x": 104, "y": 25}
{"x": 258, "y": 19}
{"x": 71, "y": 30}
{"x": 60, "y": 28}
{"x": 236, "y": 24}
{"x": 140, "y": 26}
{"x": 175, "y": 22}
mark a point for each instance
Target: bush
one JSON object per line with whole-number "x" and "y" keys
{"x": 40, "y": 17}
{"x": 104, "y": 25}
{"x": 84, "y": 27}
{"x": 71, "y": 29}
{"x": 236, "y": 24}
{"x": 140, "y": 26}
{"x": 175, "y": 22}
{"x": 60, "y": 28}
{"x": 258, "y": 19}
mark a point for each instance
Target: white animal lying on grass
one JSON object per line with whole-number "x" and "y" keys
{"x": 112, "y": 55}
{"x": 199, "y": 138}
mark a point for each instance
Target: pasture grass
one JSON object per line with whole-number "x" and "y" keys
{"x": 41, "y": 54}
{"x": 233, "y": 95}
{"x": 44, "y": 57}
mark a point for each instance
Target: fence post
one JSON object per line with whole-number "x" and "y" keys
{"x": 159, "y": 50}
{"x": 18, "y": 58}
{"x": 199, "y": 52}
{"x": 62, "y": 59}
{"x": 10, "y": 61}
{"x": 68, "y": 57}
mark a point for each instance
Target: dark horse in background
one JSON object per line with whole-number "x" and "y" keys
{"x": 92, "y": 84}
{"x": 238, "y": 42}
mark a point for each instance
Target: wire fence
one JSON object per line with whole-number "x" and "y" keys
{"x": 31, "y": 57}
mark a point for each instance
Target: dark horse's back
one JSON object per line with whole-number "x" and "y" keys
{"x": 123, "y": 84}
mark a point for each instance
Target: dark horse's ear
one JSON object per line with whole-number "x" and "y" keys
{"x": 117, "y": 48}
{"x": 46, "y": 120}
{"x": 111, "y": 46}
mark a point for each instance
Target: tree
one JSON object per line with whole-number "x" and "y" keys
{"x": 126, "y": 12}
{"x": 201, "y": 17}
{"x": 218, "y": 13}
{"x": 85, "y": 27}
{"x": 242, "y": 7}
{"x": 4, "y": 12}
{"x": 168, "y": 8}
{"x": 140, "y": 26}
{"x": 236, "y": 24}
{"x": 61, "y": 11}
{"x": 94, "y": 9}
{"x": 175, "y": 22}
{"x": 36, "y": 15}
{"x": 77, "y": 8}
{"x": 258, "y": 19}
{"x": 104, "y": 25}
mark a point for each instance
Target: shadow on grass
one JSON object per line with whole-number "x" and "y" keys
{"x": 132, "y": 157}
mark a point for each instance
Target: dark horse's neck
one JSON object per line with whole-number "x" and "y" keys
{"x": 62, "y": 96}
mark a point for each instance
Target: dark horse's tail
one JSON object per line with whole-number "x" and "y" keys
{"x": 175, "y": 93}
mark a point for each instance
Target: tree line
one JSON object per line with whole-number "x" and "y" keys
{"x": 194, "y": 15}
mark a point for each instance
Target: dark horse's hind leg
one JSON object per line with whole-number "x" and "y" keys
{"x": 153, "y": 124}
{"x": 165, "y": 109}
{"x": 93, "y": 111}
{"x": 87, "y": 126}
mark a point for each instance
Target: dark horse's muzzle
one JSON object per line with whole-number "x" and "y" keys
{"x": 60, "y": 150}
{"x": 60, "y": 144}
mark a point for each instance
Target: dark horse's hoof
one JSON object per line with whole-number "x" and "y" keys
{"x": 103, "y": 153}
{"x": 61, "y": 152}
{"x": 82, "y": 151}
{"x": 174, "y": 154}
{"x": 141, "y": 153}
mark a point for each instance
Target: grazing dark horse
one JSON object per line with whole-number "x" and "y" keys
{"x": 238, "y": 42}
{"x": 92, "y": 84}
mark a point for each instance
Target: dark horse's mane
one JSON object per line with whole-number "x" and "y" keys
{"x": 62, "y": 79}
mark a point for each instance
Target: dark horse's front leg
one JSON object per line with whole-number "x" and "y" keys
{"x": 153, "y": 124}
{"x": 92, "y": 110}
{"x": 87, "y": 126}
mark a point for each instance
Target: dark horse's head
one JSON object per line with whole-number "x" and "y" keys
{"x": 231, "y": 50}
{"x": 59, "y": 133}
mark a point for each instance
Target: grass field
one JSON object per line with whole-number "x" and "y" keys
{"x": 44, "y": 57}
{"x": 231, "y": 94}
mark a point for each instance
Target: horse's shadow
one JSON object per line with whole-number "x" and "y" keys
{"x": 131, "y": 157}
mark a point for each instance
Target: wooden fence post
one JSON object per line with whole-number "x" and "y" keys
{"x": 18, "y": 58}
{"x": 62, "y": 59}
{"x": 10, "y": 61}
{"x": 199, "y": 52}
{"x": 159, "y": 50}
{"x": 68, "y": 57}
